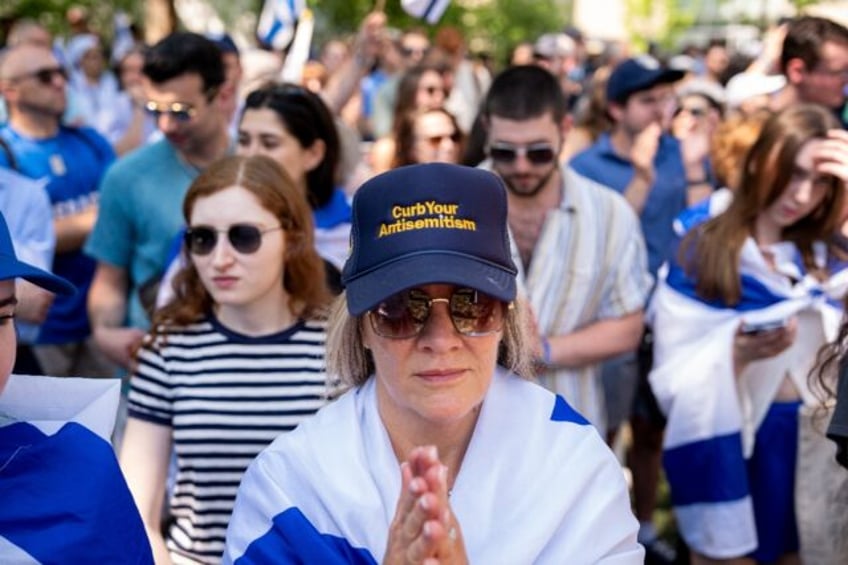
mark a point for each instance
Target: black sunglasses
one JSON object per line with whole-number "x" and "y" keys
{"x": 404, "y": 314}
{"x": 45, "y": 76}
{"x": 536, "y": 153}
{"x": 245, "y": 238}
{"x": 436, "y": 140}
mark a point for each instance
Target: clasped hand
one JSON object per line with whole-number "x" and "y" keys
{"x": 424, "y": 529}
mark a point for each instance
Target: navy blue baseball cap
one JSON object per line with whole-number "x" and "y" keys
{"x": 638, "y": 74}
{"x": 428, "y": 224}
{"x": 12, "y": 268}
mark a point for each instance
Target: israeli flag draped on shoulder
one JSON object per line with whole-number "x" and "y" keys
{"x": 327, "y": 492}
{"x": 277, "y": 22}
{"x": 63, "y": 496}
{"x": 712, "y": 415}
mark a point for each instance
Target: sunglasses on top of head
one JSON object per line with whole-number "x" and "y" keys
{"x": 45, "y": 76}
{"x": 536, "y": 153}
{"x": 244, "y": 238}
{"x": 404, "y": 315}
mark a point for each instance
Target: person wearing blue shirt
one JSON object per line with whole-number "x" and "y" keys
{"x": 646, "y": 165}
{"x": 72, "y": 161}
{"x": 25, "y": 202}
{"x": 64, "y": 497}
{"x": 141, "y": 204}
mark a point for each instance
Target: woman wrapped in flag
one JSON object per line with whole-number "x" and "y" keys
{"x": 737, "y": 322}
{"x": 440, "y": 452}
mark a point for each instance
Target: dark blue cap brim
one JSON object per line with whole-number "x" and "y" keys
{"x": 434, "y": 267}
{"x": 12, "y": 268}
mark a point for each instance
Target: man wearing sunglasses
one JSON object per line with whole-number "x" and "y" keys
{"x": 584, "y": 260}
{"x": 69, "y": 161}
{"x": 141, "y": 205}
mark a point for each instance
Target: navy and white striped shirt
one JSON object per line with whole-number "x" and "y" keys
{"x": 225, "y": 396}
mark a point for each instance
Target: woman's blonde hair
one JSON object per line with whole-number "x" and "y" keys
{"x": 349, "y": 360}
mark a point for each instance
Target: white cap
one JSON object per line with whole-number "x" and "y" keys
{"x": 552, "y": 45}
{"x": 744, "y": 86}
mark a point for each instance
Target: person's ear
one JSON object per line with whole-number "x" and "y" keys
{"x": 615, "y": 111}
{"x": 795, "y": 70}
{"x": 314, "y": 154}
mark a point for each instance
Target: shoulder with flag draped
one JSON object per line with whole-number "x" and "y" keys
{"x": 327, "y": 491}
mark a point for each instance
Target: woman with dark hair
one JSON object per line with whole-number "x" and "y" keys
{"x": 737, "y": 321}
{"x": 420, "y": 88}
{"x": 293, "y": 126}
{"x": 233, "y": 360}
{"x": 427, "y": 136}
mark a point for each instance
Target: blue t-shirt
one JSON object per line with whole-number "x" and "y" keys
{"x": 666, "y": 200}
{"x": 73, "y": 161}
{"x": 141, "y": 200}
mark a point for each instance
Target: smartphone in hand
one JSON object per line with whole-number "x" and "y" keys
{"x": 752, "y": 328}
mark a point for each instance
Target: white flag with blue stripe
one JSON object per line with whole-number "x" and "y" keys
{"x": 64, "y": 498}
{"x": 429, "y": 10}
{"x": 327, "y": 492}
{"x": 277, "y": 22}
{"x": 712, "y": 415}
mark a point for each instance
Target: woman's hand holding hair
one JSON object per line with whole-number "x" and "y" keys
{"x": 750, "y": 347}
{"x": 831, "y": 157}
{"x": 424, "y": 530}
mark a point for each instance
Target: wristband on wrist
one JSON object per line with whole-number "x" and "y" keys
{"x": 546, "y": 351}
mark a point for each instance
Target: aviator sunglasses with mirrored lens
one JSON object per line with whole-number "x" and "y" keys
{"x": 404, "y": 315}
{"x": 179, "y": 111}
{"x": 244, "y": 238}
{"x": 536, "y": 153}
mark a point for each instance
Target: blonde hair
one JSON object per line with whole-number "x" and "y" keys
{"x": 349, "y": 360}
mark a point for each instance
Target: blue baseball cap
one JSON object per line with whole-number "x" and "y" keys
{"x": 428, "y": 224}
{"x": 638, "y": 74}
{"x": 12, "y": 268}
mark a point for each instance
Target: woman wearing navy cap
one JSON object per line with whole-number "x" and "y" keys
{"x": 442, "y": 451}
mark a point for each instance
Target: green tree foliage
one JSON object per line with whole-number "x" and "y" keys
{"x": 51, "y": 13}
{"x": 494, "y": 26}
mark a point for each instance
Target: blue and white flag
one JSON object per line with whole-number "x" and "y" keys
{"x": 64, "y": 499}
{"x": 712, "y": 415}
{"x": 277, "y": 22}
{"x": 429, "y": 10}
{"x": 327, "y": 492}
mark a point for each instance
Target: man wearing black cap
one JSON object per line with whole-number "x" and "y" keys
{"x": 646, "y": 165}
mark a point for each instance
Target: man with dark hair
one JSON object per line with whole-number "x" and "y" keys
{"x": 649, "y": 168}
{"x": 70, "y": 161}
{"x": 578, "y": 241}
{"x": 141, "y": 196}
{"x": 814, "y": 60}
